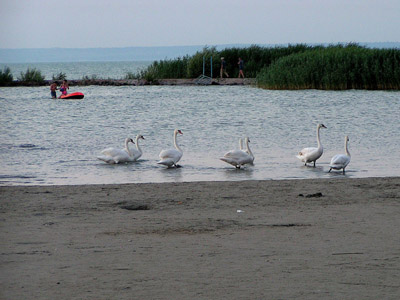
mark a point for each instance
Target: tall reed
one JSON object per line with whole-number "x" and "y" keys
{"x": 31, "y": 77}
{"x": 335, "y": 68}
{"x": 255, "y": 58}
{"x": 6, "y": 76}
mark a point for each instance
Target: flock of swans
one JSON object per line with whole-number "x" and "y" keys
{"x": 236, "y": 158}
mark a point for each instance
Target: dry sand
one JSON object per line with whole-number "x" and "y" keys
{"x": 294, "y": 239}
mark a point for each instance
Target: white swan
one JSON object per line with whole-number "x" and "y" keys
{"x": 171, "y": 157}
{"x": 115, "y": 156}
{"x": 311, "y": 154}
{"x": 239, "y": 158}
{"x": 137, "y": 153}
{"x": 241, "y": 145}
{"x": 340, "y": 161}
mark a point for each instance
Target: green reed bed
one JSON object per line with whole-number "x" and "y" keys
{"x": 31, "y": 77}
{"x": 335, "y": 68}
{"x": 174, "y": 68}
{"x": 255, "y": 59}
{"x": 6, "y": 76}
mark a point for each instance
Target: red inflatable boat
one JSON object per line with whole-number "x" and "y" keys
{"x": 76, "y": 95}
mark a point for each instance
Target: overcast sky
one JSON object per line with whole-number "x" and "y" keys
{"x": 126, "y": 23}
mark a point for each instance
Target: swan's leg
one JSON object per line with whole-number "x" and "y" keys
{"x": 330, "y": 170}
{"x": 344, "y": 170}
{"x": 314, "y": 163}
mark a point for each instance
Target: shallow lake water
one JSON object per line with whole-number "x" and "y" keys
{"x": 47, "y": 142}
{"x": 77, "y": 70}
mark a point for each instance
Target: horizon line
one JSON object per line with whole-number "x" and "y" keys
{"x": 206, "y": 45}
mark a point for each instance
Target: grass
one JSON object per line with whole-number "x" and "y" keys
{"x": 6, "y": 76}
{"x": 31, "y": 77}
{"x": 59, "y": 76}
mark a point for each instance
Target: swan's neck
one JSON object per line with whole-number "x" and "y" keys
{"x": 175, "y": 144}
{"x": 127, "y": 148}
{"x": 346, "y": 147}
{"x": 318, "y": 138}
{"x": 240, "y": 144}
{"x": 137, "y": 144}
{"x": 248, "y": 149}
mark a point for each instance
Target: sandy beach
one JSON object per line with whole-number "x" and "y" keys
{"x": 290, "y": 239}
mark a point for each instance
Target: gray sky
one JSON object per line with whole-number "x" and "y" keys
{"x": 126, "y": 23}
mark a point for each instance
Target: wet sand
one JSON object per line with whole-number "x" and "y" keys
{"x": 290, "y": 239}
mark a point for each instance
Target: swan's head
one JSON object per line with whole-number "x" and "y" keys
{"x": 178, "y": 131}
{"x": 129, "y": 140}
{"x": 140, "y": 137}
{"x": 346, "y": 138}
{"x": 321, "y": 126}
{"x": 247, "y": 139}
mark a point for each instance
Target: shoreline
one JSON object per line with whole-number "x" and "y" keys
{"x": 193, "y": 182}
{"x": 285, "y": 239}
{"x": 139, "y": 82}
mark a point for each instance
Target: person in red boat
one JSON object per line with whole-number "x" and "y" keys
{"x": 63, "y": 88}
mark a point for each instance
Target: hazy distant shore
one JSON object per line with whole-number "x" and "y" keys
{"x": 140, "y": 82}
{"x": 275, "y": 239}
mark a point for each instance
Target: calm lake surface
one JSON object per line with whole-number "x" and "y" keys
{"x": 77, "y": 70}
{"x": 48, "y": 142}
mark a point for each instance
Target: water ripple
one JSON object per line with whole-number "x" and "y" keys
{"x": 279, "y": 124}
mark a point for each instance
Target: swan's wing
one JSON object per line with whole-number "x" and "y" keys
{"x": 106, "y": 158}
{"x": 237, "y": 157}
{"x": 310, "y": 154}
{"x": 171, "y": 153}
{"x": 166, "y": 162}
{"x": 123, "y": 157}
{"x": 339, "y": 160}
{"x": 307, "y": 151}
{"x": 246, "y": 160}
{"x": 235, "y": 154}
{"x": 117, "y": 155}
{"x": 230, "y": 161}
{"x": 113, "y": 152}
